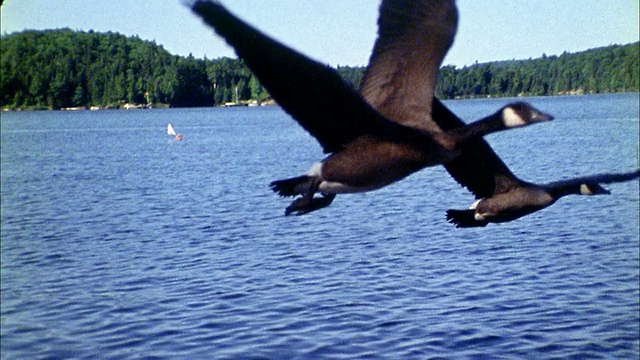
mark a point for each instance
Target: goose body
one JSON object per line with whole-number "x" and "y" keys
{"x": 501, "y": 196}
{"x": 381, "y": 134}
{"x": 369, "y": 163}
{"x": 526, "y": 198}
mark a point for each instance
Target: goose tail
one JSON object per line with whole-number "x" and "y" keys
{"x": 293, "y": 186}
{"x": 464, "y": 218}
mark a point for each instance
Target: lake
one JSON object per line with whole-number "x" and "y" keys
{"x": 118, "y": 242}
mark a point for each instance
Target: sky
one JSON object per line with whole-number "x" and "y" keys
{"x": 342, "y": 32}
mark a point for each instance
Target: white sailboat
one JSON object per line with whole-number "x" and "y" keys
{"x": 171, "y": 131}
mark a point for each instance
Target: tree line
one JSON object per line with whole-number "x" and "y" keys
{"x": 615, "y": 68}
{"x": 64, "y": 68}
{"x": 53, "y": 69}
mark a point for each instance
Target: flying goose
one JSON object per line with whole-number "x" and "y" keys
{"x": 385, "y": 132}
{"x": 502, "y": 197}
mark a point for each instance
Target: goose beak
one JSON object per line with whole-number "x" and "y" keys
{"x": 539, "y": 116}
{"x": 599, "y": 190}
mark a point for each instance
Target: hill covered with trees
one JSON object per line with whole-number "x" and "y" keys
{"x": 614, "y": 68}
{"x": 63, "y": 68}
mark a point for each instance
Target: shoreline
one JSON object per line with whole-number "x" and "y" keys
{"x": 256, "y": 103}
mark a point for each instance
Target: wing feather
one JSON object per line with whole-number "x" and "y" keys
{"x": 413, "y": 38}
{"x": 478, "y": 167}
{"x": 312, "y": 93}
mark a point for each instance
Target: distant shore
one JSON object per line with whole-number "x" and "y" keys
{"x": 270, "y": 102}
{"x": 129, "y": 106}
{"x": 66, "y": 69}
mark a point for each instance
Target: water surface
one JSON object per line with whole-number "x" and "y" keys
{"x": 118, "y": 242}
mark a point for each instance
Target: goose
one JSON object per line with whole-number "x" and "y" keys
{"x": 501, "y": 196}
{"x": 384, "y": 132}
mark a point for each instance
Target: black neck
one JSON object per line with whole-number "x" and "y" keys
{"x": 488, "y": 125}
{"x": 560, "y": 189}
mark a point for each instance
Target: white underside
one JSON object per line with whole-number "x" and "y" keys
{"x": 316, "y": 169}
{"x": 475, "y": 204}
{"x": 333, "y": 187}
{"x": 476, "y": 215}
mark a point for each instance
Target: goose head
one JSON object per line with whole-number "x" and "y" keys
{"x": 593, "y": 189}
{"x": 520, "y": 113}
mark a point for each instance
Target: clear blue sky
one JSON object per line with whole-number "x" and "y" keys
{"x": 342, "y": 32}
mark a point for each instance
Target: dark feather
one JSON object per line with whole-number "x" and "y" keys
{"x": 288, "y": 187}
{"x": 312, "y": 93}
{"x": 464, "y": 218}
{"x": 478, "y": 167}
{"x": 608, "y": 178}
{"x": 413, "y": 38}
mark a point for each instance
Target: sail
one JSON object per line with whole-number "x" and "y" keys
{"x": 170, "y": 130}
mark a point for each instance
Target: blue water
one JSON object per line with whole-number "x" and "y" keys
{"x": 118, "y": 242}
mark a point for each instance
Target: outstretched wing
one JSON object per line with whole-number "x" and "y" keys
{"x": 312, "y": 93}
{"x": 413, "y": 38}
{"x": 478, "y": 167}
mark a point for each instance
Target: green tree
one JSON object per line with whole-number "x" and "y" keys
{"x": 61, "y": 68}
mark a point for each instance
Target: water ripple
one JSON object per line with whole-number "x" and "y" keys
{"x": 140, "y": 248}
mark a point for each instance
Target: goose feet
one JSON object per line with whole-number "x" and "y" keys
{"x": 307, "y": 204}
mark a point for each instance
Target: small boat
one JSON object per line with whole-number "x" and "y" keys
{"x": 171, "y": 131}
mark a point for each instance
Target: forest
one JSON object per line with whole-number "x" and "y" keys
{"x": 54, "y": 69}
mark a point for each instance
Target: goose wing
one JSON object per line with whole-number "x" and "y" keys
{"x": 413, "y": 38}
{"x": 478, "y": 167}
{"x": 312, "y": 93}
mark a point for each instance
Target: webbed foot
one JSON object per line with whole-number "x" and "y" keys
{"x": 306, "y": 204}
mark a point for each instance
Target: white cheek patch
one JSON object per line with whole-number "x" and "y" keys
{"x": 584, "y": 190}
{"x": 511, "y": 118}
